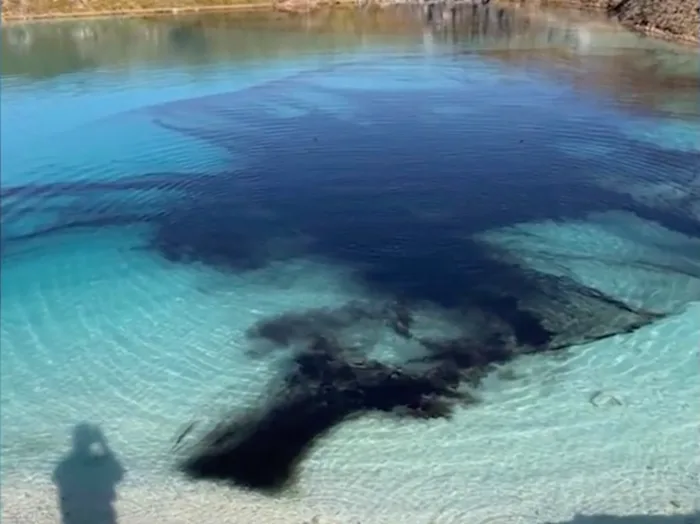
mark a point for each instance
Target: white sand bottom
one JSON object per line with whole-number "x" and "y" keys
{"x": 610, "y": 429}
{"x": 597, "y": 497}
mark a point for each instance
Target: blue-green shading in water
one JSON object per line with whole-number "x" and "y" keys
{"x": 372, "y": 235}
{"x": 338, "y": 166}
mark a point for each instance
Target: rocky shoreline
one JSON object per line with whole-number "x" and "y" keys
{"x": 675, "y": 20}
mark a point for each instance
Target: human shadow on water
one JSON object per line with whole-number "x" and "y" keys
{"x": 87, "y": 477}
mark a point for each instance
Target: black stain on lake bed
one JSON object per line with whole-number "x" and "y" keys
{"x": 397, "y": 196}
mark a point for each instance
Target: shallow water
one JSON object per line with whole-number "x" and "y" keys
{"x": 167, "y": 183}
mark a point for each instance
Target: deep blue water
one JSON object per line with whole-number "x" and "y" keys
{"x": 156, "y": 215}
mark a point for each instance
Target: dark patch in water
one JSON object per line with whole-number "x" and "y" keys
{"x": 325, "y": 387}
{"x": 328, "y": 383}
{"x": 400, "y": 205}
{"x": 294, "y": 326}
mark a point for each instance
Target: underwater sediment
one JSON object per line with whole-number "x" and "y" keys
{"x": 404, "y": 209}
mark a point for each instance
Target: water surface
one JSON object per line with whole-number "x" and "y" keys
{"x": 527, "y": 181}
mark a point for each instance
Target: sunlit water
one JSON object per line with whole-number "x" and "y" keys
{"x": 348, "y": 157}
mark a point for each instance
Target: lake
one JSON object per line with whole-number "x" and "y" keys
{"x": 453, "y": 254}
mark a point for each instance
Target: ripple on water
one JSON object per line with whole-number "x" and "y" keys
{"x": 97, "y": 328}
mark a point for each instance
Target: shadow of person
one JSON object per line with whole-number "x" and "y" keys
{"x": 86, "y": 479}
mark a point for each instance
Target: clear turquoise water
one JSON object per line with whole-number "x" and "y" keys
{"x": 359, "y": 170}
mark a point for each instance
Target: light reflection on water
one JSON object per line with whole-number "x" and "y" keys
{"x": 592, "y": 53}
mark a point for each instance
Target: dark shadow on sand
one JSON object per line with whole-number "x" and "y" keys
{"x": 87, "y": 477}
